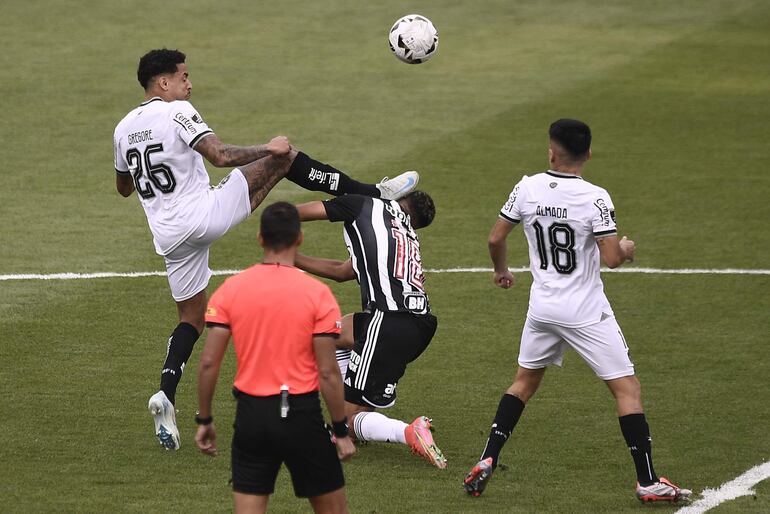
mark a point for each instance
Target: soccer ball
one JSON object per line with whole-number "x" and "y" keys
{"x": 413, "y": 39}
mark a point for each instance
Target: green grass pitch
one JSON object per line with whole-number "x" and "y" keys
{"x": 677, "y": 95}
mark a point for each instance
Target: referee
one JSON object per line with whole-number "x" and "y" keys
{"x": 284, "y": 325}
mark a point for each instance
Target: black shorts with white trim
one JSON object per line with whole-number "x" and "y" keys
{"x": 384, "y": 343}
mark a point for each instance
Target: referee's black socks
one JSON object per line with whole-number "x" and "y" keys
{"x": 317, "y": 176}
{"x": 508, "y": 413}
{"x": 637, "y": 435}
{"x": 180, "y": 347}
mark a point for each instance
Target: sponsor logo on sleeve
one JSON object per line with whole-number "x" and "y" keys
{"x": 211, "y": 311}
{"x": 197, "y": 118}
{"x": 185, "y": 122}
{"x": 511, "y": 199}
{"x": 604, "y": 211}
{"x": 612, "y": 215}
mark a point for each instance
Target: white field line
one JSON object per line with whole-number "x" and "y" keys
{"x": 741, "y": 486}
{"x": 139, "y": 274}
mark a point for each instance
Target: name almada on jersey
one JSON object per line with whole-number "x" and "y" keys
{"x": 554, "y": 212}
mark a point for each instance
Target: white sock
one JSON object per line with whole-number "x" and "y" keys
{"x": 343, "y": 359}
{"x": 373, "y": 426}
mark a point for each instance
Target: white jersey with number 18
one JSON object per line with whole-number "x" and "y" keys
{"x": 155, "y": 143}
{"x": 562, "y": 216}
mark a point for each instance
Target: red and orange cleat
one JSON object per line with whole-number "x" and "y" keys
{"x": 420, "y": 440}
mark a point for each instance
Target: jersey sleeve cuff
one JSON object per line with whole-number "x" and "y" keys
{"x": 200, "y": 136}
{"x": 509, "y": 219}
{"x": 122, "y": 172}
{"x": 211, "y": 324}
{"x": 327, "y": 334}
{"x": 605, "y": 233}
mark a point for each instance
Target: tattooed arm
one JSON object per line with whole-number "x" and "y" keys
{"x": 223, "y": 155}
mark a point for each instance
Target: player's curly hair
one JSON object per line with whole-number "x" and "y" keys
{"x": 421, "y": 209}
{"x": 279, "y": 225}
{"x": 157, "y": 62}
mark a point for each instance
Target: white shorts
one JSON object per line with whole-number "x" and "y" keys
{"x": 601, "y": 345}
{"x": 188, "y": 264}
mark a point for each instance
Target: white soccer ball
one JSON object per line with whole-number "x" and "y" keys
{"x": 413, "y": 39}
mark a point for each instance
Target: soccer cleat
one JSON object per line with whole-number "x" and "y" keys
{"x": 420, "y": 440}
{"x": 164, "y": 414}
{"x": 477, "y": 478}
{"x": 398, "y": 187}
{"x": 662, "y": 491}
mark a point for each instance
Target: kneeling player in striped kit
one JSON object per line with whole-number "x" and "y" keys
{"x": 396, "y": 325}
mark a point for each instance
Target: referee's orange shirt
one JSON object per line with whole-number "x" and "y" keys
{"x": 273, "y": 312}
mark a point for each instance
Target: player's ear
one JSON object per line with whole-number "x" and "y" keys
{"x": 551, "y": 156}
{"x": 589, "y": 154}
{"x": 300, "y": 238}
{"x": 261, "y": 240}
{"x": 163, "y": 82}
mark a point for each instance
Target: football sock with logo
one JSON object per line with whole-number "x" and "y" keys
{"x": 343, "y": 359}
{"x": 508, "y": 413}
{"x": 317, "y": 176}
{"x": 180, "y": 347}
{"x": 637, "y": 435}
{"x": 373, "y": 426}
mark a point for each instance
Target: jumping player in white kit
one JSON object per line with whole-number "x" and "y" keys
{"x": 570, "y": 226}
{"x": 159, "y": 150}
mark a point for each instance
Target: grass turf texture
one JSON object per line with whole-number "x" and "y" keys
{"x": 677, "y": 97}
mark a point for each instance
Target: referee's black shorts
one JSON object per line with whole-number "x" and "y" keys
{"x": 262, "y": 441}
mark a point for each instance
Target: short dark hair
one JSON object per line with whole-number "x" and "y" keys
{"x": 421, "y": 208}
{"x": 158, "y": 62}
{"x": 279, "y": 226}
{"x": 572, "y": 135}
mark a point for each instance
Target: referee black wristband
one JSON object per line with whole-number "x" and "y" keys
{"x": 340, "y": 428}
{"x": 203, "y": 421}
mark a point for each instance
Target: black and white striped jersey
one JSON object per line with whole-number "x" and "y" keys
{"x": 385, "y": 253}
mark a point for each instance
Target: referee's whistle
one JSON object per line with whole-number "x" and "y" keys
{"x": 284, "y": 401}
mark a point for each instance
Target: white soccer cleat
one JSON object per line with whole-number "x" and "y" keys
{"x": 398, "y": 187}
{"x": 662, "y": 491}
{"x": 164, "y": 415}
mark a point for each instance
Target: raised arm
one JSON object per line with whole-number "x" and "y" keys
{"x": 330, "y": 382}
{"x": 615, "y": 252}
{"x": 223, "y": 155}
{"x": 498, "y": 251}
{"x": 340, "y": 271}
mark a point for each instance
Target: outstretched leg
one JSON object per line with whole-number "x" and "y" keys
{"x": 317, "y": 176}
{"x": 262, "y": 176}
{"x": 373, "y": 426}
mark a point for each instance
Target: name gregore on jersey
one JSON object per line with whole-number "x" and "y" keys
{"x": 154, "y": 144}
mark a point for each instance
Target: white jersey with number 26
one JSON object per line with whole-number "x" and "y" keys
{"x": 562, "y": 216}
{"x": 154, "y": 143}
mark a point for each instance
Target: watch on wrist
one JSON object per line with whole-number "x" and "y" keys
{"x": 203, "y": 421}
{"x": 340, "y": 428}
